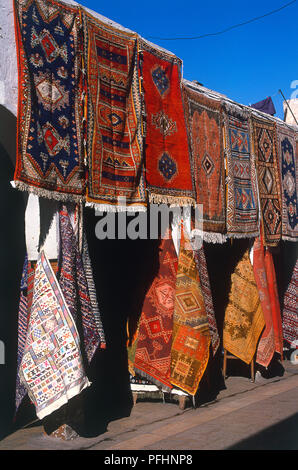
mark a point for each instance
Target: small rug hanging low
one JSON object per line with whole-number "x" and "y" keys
{"x": 52, "y": 367}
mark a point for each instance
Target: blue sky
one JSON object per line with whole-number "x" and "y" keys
{"x": 247, "y": 64}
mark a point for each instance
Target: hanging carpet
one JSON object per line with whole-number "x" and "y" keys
{"x": 266, "y": 345}
{"x": 242, "y": 199}
{"x": 274, "y": 300}
{"x": 244, "y": 319}
{"x": 52, "y": 367}
{"x": 49, "y": 158}
{"x": 74, "y": 286}
{"x": 290, "y": 310}
{"x": 152, "y": 350}
{"x": 26, "y": 291}
{"x": 168, "y": 172}
{"x": 204, "y": 122}
{"x": 289, "y": 186}
{"x": 200, "y": 260}
{"x": 114, "y": 117}
{"x": 191, "y": 336}
{"x": 265, "y": 149}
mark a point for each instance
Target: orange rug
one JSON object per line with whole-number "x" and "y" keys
{"x": 266, "y": 346}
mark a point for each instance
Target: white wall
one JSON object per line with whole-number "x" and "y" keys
{"x": 294, "y": 107}
{"x": 8, "y": 58}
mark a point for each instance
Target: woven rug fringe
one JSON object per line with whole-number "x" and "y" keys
{"x": 154, "y": 381}
{"x": 290, "y": 239}
{"x": 173, "y": 201}
{"x": 243, "y": 235}
{"x": 115, "y": 208}
{"x": 48, "y": 194}
{"x": 210, "y": 237}
{"x": 236, "y": 110}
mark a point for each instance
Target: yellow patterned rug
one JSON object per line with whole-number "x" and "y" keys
{"x": 244, "y": 319}
{"x": 191, "y": 336}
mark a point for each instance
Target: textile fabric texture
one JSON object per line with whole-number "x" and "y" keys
{"x": 191, "y": 335}
{"x": 74, "y": 286}
{"x": 49, "y": 143}
{"x": 290, "y": 310}
{"x": 266, "y": 345}
{"x": 244, "y": 319}
{"x": 114, "y": 117}
{"x": 52, "y": 365}
{"x": 274, "y": 300}
{"x": 265, "y": 148}
{"x": 168, "y": 172}
{"x": 21, "y": 390}
{"x": 88, "y": 270}
{"x": 25, "y": 303}
{"x": 200, "y": 260}
{"x": 152, "y": 358}
{"x": 289, "y": 186}
{"x": 242, "y": 199}
{"x": 204, "y": 122}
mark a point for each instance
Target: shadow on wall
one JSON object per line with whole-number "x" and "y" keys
{"x": 12, "y": 249}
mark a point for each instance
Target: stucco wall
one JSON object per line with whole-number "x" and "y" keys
{"x": 294, "y": 107}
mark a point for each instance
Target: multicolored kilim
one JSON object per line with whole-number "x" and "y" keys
{"x": 21, "y": 391}
{"x": 25, "y": 304}
{"x": 289, "y": 187}
{"x": 290, "y": 310}
{"x": 242, "y": 198}
{"x": 88, "y": 270}
{"x": 168, "y": 172}
{"x": 49, "y": 149}
{"x": 266, "y": 345}
{"x": 204, "y": 122}
{"x": 201, "y": 264}
{"x": 114, "y": 120}
{"x": 265, "y": 149}
{"x": 74, "y": 286}
{"x": 244, "y": 319}
{"x": 51, "y": 367}
{"x": 191, "y": 336}
{"x": 153, "y": 349}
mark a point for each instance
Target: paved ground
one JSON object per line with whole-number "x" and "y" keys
{"x": 246, "y": 415}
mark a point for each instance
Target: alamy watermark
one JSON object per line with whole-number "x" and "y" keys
{"x": 151, "y": 224}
